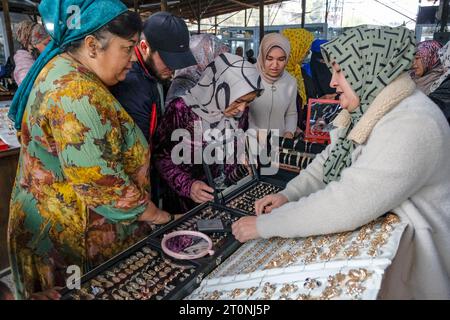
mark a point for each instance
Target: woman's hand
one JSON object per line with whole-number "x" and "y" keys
{"x": 162, "y": 217}
{"x": 245, "y": 229}
{"x": 270, "y": 202}
{"x": 201, "y": 192}
{"x": 51, "y": 294}
{"x": 154, "y": 215}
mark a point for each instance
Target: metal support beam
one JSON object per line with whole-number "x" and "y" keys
{"x": 261, "y": 20}
{"x": 303, "y": 12}
{"x": 242, "y": 3}
{"x": 249, "y": 17}
{"x": 229, "y": 17}
{"x": 207, "y": 7}
{"x": 192, "y": 9}
{"x": 245, "y": 18}
{"x": 389, "y": 7}
{"x": 163, "y": 5}
{"x": 8, "y": 27}
{"x": 276, "y": 14}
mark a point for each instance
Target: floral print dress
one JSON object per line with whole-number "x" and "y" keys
{"x": 82, "y": 179}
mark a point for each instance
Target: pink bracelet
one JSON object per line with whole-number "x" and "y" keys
{"x": 185, "y": 256}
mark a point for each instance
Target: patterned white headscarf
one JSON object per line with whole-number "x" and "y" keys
{"x": 205, "y": 48}
{"x": 225, "y": 80}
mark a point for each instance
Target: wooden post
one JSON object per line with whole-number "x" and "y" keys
{"x": 136, "y": 6}
{"x": 9, "y": 34}
{"x": 303, "y": 12}
{"x": 261, "y": 20}
{"x": 163, "y": 5}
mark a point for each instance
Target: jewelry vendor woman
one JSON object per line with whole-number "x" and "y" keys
{"x": 390, "y": 152}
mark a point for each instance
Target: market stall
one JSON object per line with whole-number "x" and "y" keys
{"x": 348, "y": 265}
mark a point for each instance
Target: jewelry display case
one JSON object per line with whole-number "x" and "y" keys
{"x": 224, "y": 243}
{"x": 242, "y": 196}
{"x": 348, "y": 265}
{"x": 294, "y": 284}
{"x": 145, "y": 272}
{"x": 142, "y": 272}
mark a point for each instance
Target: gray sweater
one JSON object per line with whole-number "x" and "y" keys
{"x": 276, "y": 108}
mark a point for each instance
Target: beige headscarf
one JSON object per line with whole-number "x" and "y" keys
{"x": 270, "y": 41}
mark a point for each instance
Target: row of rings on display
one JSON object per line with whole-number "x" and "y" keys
{"x": 127, "y": 272}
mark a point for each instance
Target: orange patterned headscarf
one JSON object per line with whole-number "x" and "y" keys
{"x": 300, "y": 40}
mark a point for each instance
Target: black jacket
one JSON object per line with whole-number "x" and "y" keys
{"x": 136, "y": 94}
{"x": 441, "y": 96}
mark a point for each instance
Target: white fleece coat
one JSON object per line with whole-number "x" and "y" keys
{"x": 401, "y": 164}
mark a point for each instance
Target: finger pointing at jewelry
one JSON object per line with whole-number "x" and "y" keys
{"x": 260, "y": 204}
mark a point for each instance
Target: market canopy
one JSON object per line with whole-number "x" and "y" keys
{"x": 187, "y": 9}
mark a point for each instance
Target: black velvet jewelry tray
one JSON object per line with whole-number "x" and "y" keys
{"x": 246, "y": 185}
{"x": 201, "y": 267}
{"x": 181, "y": 285}
{"x": 224, "y": 243}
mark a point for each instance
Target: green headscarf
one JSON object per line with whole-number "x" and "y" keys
{"x": 371, "y": 58}
{"x": 66, "y": 21}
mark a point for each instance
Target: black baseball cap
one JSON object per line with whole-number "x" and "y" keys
{"x": 169, "y": 35}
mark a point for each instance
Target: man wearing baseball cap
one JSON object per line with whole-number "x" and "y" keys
{"x": 163, "y": 48}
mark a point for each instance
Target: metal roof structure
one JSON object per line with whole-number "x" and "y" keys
{"x": 187, "y": 9}
{"x": 192, "y": 10}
